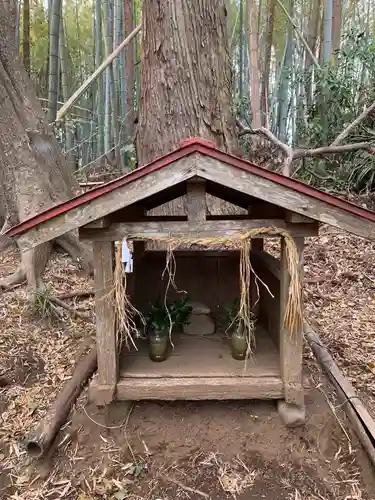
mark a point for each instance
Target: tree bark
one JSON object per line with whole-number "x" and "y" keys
{"x": 26, "y": 35}
{"x": 186, "y": 77}
{"x": 267, "y": 62}
{"x": 129, "y": 69}
{"x": 33, "y": 172}
{"x": 336, "y": 28}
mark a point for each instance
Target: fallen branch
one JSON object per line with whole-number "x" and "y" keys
{"x": 69, "y": 103}
{"x": 42, "y": 438}
{"x": 344, "y": 134}
{"x": 72, "y": 295}
{"x": 363, "y": 424}
{"x": 331, "y": 150}
{"x": 297, "y": 154}
{"x": 69, "y": 308}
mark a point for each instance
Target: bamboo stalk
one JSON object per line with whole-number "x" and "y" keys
{"x": 86, "y": 84}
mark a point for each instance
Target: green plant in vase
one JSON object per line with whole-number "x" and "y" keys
{"x": 180, "y": 311}
{"x": 159, "y": 324}
{"x": 240, "y": 334}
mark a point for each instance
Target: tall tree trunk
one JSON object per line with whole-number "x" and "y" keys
{"x": 26, "y": 35}
{"x": 53, "y": 74}
{"x": 129, "y": 69}
{"x": 240, "y": 58}
{"x": 186, "y": 79}
{"x": 100, "y": 82}
{"x": 33, "y": 173}
{"x": 336, "y": 28}
{"x": 285, "y": 80}
{"x": 65, "y": 85}
{"x": 254, "y": 76}
{"x": 312, "y": 39}
{"x": 327, "y": 31}
{"x": 108, "y": 33}
{"x": 267, "y": 61}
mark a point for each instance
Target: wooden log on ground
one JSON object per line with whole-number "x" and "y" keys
{"x": 42, "y": 438}
{"x": 362, "y": 422}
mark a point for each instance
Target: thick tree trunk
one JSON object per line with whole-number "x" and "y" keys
{"x": 186, "y": 78}
{"x": 33, "y": 172}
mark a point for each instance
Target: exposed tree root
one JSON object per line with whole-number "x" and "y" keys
{"x": 16, "y": 278}
{"x": 34, "y": 261}
{"x": 79, "y": 253}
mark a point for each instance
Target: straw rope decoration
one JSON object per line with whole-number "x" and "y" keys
{"x": 126, "y": 313}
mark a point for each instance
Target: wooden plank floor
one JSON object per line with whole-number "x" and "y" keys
{"x": 209, "y": 356}
{"x": 199, "y": 368}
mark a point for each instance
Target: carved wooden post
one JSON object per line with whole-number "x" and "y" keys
{"x": 292, "y": 410}
{"x": 105, "y": 322}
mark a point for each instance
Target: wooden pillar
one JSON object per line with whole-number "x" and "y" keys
{"x": 105, "y": 322}
{"x": 196, "y": 200}
{"x": 290, "y": 345}
{"x": 256, "y": 244}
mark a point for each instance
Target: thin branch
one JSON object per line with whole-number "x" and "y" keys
{"x": 297, "y": 154}
{"x": 69, "y": 103}
{"x": 299, "y": 33}
{"x": 344, "y": 134}
{"x": 331, "y": 150}
{"x": 187, "y": 488}
{"x": 73, "y": 310}
{"x": 272, "y": 138}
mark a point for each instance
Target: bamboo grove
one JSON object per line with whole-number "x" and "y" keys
{"x": 303, "y": 70}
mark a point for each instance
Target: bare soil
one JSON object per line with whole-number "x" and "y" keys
{"x": 168, "y": 451}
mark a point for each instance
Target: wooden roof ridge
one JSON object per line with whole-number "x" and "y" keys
{"x": 187, "y": 147}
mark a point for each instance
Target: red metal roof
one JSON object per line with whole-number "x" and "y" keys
{"x": 188, "y": 147}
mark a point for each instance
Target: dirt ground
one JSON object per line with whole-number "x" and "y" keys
{"x": 167, "y": 451}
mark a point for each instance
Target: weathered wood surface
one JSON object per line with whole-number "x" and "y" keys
{"x": 263, "y": 258}
{"x": 105, "y": 319}
{"x": 204, "y": 357}
{"x": 264, "y": 189}
{"x": 40, "y": 441}
{"x": 269, "y": 298}
{"x": 196, "y": 388}
{"x": 126, "y": 195}
{"x": 204, "y": 229}
{"x": 290, "y": 345}
{"x": 196, "y": 201}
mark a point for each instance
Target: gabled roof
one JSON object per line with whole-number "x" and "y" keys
{"x": 296, "y": 196}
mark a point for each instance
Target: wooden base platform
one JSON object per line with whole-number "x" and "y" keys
{"x": 200, "y": 368}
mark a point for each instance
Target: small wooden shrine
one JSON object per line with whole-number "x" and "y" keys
{"x": 271, "y": 206}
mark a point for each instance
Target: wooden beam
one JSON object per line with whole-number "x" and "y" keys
{"x": 196, "y": 201}
{"x": 267, "y": 190}
{"x": 290, "y": 344}
{"x": 297, "y": 218}
{"x": 191, "y": 229}
{"x": 126, "y": 195}
{"x": 99, "y": 223}
{"x": 105, "y": 320}
{"x": 195, "y": 388}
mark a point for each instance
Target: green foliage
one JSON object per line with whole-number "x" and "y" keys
{"x": 228, "y": 317}
{"x": 41, "y": 304}
{"x": 162, "y": 317}
{"x": 341, "y": 93}
{"x": 180, "y": 311}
